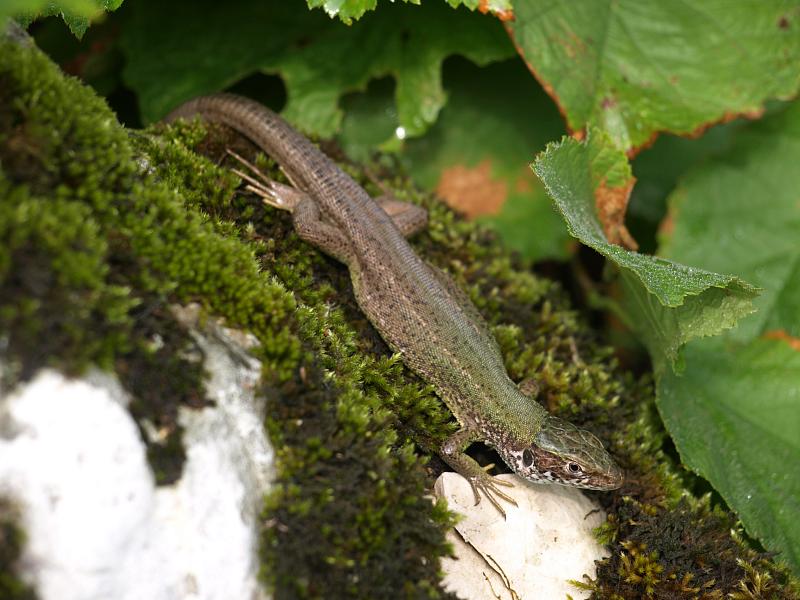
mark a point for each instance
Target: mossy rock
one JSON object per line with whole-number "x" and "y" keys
{"x": 102, "y": 228}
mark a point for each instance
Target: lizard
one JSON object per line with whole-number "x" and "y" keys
{"x": 418, "y": 309}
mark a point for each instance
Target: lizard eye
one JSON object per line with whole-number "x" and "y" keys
{"x": 574, "y": 468}
{"x": 527, "y": 457}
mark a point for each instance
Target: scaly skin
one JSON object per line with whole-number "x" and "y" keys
{"x": 418, "y": 310}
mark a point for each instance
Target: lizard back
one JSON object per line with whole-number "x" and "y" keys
{"x": 417, "y": 309}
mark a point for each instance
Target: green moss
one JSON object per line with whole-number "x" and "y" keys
{"x": 115, "y": 227}
{"x": 348, "y": 511}
{"x": 687, "y": 551}
{"x": 54, "y": 282}
{"x": 12, "y": 541}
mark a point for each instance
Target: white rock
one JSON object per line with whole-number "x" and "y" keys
{"x": 73, "y": 461}
{"x": 533, "y": 553}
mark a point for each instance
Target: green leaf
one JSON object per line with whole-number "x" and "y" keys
{"x": 637, "y": 67}
{"x": 735, "y": 412}
{"x": 734, "y": 415}
{"x": 77, "y": 14}
{"x": 370, "y": 121}
{"x": 318, "y": 58}
{"x": 668, "y": 303}
{"x": 346, "y": 10}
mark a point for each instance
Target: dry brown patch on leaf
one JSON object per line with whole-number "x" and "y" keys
{"x": 780, "y": 334}
{"x": 728, "y": 116}
{"x": 611, "y": 203}
{"x": 472, "y": 191}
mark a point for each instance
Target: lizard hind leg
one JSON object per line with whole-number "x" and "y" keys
{"x": 409, "y": 218}
{"x": 310, "y": 226}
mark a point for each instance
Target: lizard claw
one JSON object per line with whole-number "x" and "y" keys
{"x": 452, "y": 450}
{"x": 488, "y": 485}
{"x": 276, "y": 194}
{"x": 495, "y": 480}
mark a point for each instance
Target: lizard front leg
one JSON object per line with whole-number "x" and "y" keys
{"x": 453, "y": 453}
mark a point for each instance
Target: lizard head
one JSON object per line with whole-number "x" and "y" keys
{"x": 562, "y": 453}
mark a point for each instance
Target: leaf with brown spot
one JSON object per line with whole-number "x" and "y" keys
{"x": 472, "y": 191}
{"x": 483, "y": 122}
{"x": 668, "y": 303}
